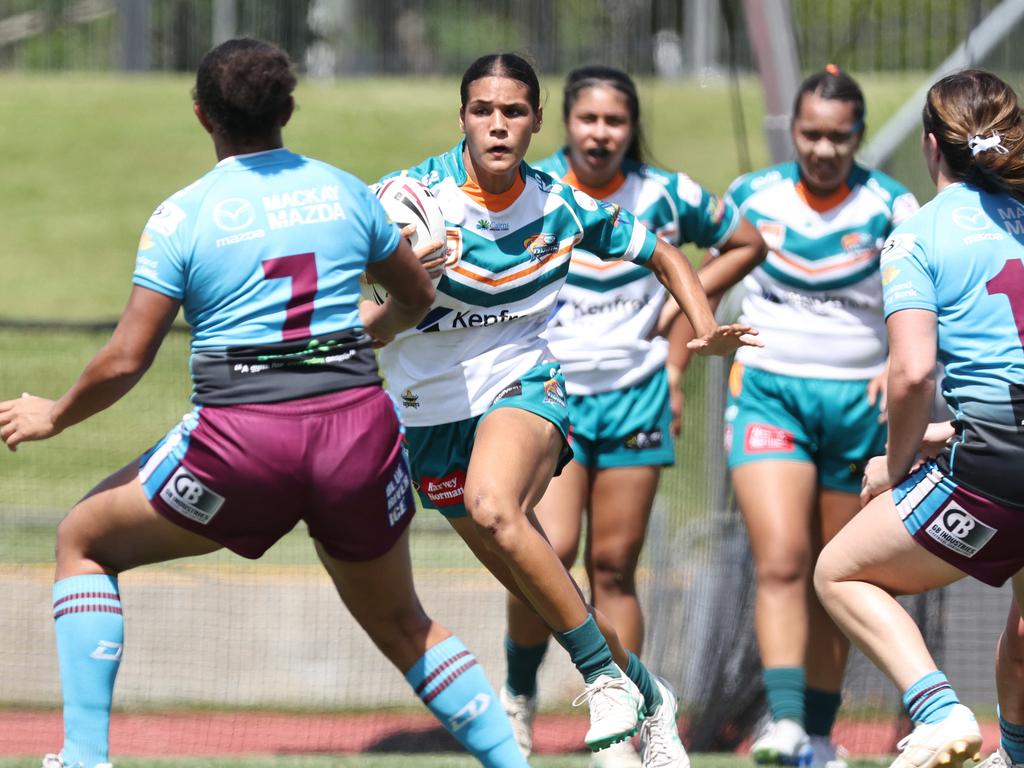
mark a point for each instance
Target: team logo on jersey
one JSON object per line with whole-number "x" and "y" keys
{"x": 896, "y": 247}
{"x": 858, "y": 242}
{"x": 539, "y": 246}
{"x": 410, "y": 399}
{"x": 643, "y": 440}
{"x": 957, "y": 529}
{"x": 613, "y": 210}
{"x": 165, "y": 219}
{"x": 233, "y": 214}
{"x": 715, "y": 209}
{"x": 187, "y": 495}
{"x": 764, "y": 438}
{"x": 970, "y": 218}
{"x": 453, "y": 246}
{"x": 889, "y": 274}
{"x": 773, "y": 233}
{"x": 445, "y": 491}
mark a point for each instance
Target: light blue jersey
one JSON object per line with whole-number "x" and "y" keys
{"x": 961, "y": 258}
{"x": 265, "y": 252}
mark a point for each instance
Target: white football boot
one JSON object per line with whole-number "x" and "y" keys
{"x": 825, "y": 754}
{"x": 782, "y": 742}
{"x": 616, "y": 710}
{"x": 660, "y": 746}
{"x": 57, "y": 761}
{"x": 946, "y": 744}
{"x": 520, "y": 710}
{"x": 620, "y": 755}
{"x": 998, "y": 759}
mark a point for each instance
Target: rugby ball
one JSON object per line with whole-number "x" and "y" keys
{"x": 406, "y": 201}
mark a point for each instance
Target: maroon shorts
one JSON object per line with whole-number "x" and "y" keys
{"x": 244, "y": 475}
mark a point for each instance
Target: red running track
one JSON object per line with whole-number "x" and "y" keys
{"x": 156, "y": 735}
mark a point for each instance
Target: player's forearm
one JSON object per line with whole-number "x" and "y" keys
{"x": 910, "y": 402}
{"x": 673, "y": 270}
{"x": 727, "y": 269}
{"x": 106, "y": 379}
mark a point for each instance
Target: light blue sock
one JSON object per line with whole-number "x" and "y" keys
{"x": 930, "y": 699}
{"x": 455, "y": 689}
{"x": 1011, "y": 738}
{"x": 90, "y": 635}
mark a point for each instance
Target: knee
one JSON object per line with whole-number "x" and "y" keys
{"x": 825, "y": 577}
{"x": 613, "y": 570}
{"x": 780, "y": 569}
{"x": 495, "y": 517}
{"x": 400, "y": 635}
{"x": 70, "y": 544}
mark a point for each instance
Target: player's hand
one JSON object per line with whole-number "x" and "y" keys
{"x": 25, "y": 419}
{"x": 432, "y": 255}
{"x": 724, "y": 340}
{"x": 878, "y": 390}
{"x": 876, "y": 479}
{"x": 371, "y": 315}
{"x": 936, "y": 436}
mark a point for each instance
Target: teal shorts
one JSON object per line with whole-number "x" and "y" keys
{"x": 827, "y": 422}
{"x": 439, "y": 454}
{"x": 625, "y": 427}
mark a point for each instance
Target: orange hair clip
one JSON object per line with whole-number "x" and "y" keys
{"x": 832, "y": 69}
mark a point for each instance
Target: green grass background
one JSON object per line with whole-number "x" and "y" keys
{"x": 88, "y": 157}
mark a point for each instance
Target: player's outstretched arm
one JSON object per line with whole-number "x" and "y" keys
{"x": 673, "y": 270}
{"x": 106, "y": 379}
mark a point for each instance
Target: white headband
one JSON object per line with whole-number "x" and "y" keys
{"x": 977, "y": 144}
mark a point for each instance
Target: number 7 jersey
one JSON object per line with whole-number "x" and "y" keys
{"x": 961, "y": 257}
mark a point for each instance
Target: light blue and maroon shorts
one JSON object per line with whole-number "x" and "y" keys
{"x": 980, "y": 536}
{"x": 245, "y": 475}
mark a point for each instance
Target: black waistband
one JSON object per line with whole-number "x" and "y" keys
{"x": 287, "y": 370}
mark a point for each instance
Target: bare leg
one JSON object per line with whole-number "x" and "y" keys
{"x": 869, "y": 561}
{"x": 115, "y": 528}
{"x": 620, "y": 507}
{"x": 777, "y": 499}
{"x": 560, "y": 514}
{"x": 828, "y": 647}
{"x": 1010, "y": 659}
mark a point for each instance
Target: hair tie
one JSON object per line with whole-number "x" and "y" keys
{"x": 832, "y": 69}
{"x": 979, "y": 144}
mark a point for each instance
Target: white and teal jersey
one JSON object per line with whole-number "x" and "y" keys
{"x": 817, "y": 297}
{"x": 607, "y": 310}
{"x": 265, "y": 253}
{"x": 962, "y": 257}
{"x": 508, "y": 256}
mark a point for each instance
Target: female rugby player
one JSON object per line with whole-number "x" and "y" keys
{"x": 280, "y": 360}
{"x": 484, "y": 399}
{"x": 954, "y": 290}
{"x": 805, "y": 413}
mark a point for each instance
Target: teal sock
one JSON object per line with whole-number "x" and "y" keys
{"x": 588, "y": 650}
{"x": 90, "y": 634}
{"x": 930, "y": 699}
{"x": 1011, "y": 739}
{"x": 644, "y": 680}
{"x": 820, "y": 708}
{"x": 784, "y": 687}
{"x": 523, "y": 662}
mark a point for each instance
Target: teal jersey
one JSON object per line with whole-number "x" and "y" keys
{"x": 817, "y": 297}
{"x": 603, "y": 326}
{"x": 266, "y": 250}
{"x": 508, "y": 257}
{"x": 961, "y": 258}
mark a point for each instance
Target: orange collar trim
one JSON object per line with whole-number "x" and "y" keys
{"x": 819, "y": 203}
{"x": 491, "y": 201}
{"x": 598, "y": 193}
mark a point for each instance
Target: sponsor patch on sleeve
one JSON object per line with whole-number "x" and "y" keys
{"x": 166, "y": 218}
{"x": 897, "y": 247}
{"x": 584, "y": 201}
{"x": 689, "y": 191}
